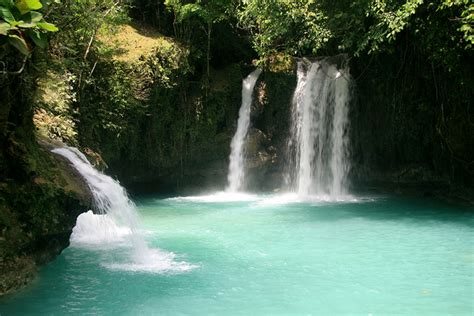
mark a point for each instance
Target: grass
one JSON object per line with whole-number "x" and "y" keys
{"x": 131, "y": 42}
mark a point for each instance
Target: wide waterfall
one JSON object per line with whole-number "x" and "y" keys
{"x": 236, "y": 174}
{"x": 319, "y": 133}
{"x": 116, "y": 222}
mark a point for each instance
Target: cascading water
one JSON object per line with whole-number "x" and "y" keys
{"x": 236, "y": 174}
{"x": 319, "y": 134}
{"x": 109, "y": 196}
{"x": 116, "y": 223}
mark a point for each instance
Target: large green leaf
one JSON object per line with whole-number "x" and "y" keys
{"x": 19, "y": 43}
{"x": 26, "y": 6}
{"x": 48, "y": 27}
{"x": 32, "y": 17}
{"x": 6, "y": 14}
{"x": 38, "y": 38}
{"x": 4, "y": 28}
{"x": 7, "y": 3}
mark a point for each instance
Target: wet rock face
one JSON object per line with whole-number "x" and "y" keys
{"x": 258, "y": 149}
{"x": 266, "y": 149}
{"x": 40, "y": 196}
{"x": 39, "y": 205}
{"x": 260, "y": 156}
{"x": 404, "y": 130}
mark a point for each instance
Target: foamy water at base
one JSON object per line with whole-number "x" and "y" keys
{"x": 98, "y": 232}
{"x": 269, "y": 199}
{"x": 93, "y": 230}
{"x": 266, "y": 255}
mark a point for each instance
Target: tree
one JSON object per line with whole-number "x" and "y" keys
{"x": 294, "y": 27}
{"x": 22, "y": 27}
{"x": 310, "y": 27}
{"x": 208, "y": 12}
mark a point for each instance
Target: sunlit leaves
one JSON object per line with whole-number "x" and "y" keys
{"x": 23, "y": 26}
{"x": 210, "y": 11}
{"x": 34, "y": 17}
{"x": 48, "y": 27}
{"x": 4, "y": 28}
{"x": 301, "y": 27}
{"x": 295, "y": 27}
{"x": 26, "y": 6}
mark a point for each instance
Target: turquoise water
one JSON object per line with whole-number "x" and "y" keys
{"x": 264, "y": 256}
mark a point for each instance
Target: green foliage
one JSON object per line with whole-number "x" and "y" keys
{"x": 53, "y": 99}
{"x": 23, "y": 26}
{"x": 208, "y": 11}
{"x": 119, "y": 94}
{"x": 80, "y": 22}
{"x": 465, "y": 19}
{"x": 26, "y": 6}
{"x": 202, "y": 14}
{"x": 294, "y": 27}
{"x": 303, "y": 27}
{"x": 166, "y": 65}
{"x": 390, "y": 18}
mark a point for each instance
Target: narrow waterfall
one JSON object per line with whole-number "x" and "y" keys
{"x": 117, "y": 221}
{"x": 319, "y": 130}
{"x": 236, "y": 174}
{"x": 109, "y": 196}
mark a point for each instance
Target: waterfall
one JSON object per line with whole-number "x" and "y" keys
{"x": 117, "y": 221}
{"x": 236, "y": 174}
{"x": 109, "y": 196}
{"x": 318, "y": 143}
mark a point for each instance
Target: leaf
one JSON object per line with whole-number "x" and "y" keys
{"x": 4, "y": 28}
{"x": 6, "y": 14}
{"x": 33, "y": 17}
{"x": 26, "y": 6}
{"x": 19, "y": 43}
{"x": 48, "y": 27}
{"x": 27, "y": 25}
{"x": 6, "y": 3}
{"x": 38, "y": 38}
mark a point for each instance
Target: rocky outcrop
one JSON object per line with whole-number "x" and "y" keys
{"x": 40, "y": 194}
{"x": 37, "y": 215}
{"x": 36, "y": 218}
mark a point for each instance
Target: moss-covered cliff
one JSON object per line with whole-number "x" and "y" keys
{"x": 40, "y": 195}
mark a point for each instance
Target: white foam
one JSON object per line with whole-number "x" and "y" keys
{"x": 94, "y": 230}
{"x": 153, "y": 261}
{"x": 268, "y": 200}
{"x": 218, "y": 197}
{"x": 99, "y": 232}
{"x": 293, "y": 198}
